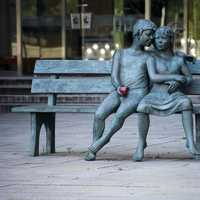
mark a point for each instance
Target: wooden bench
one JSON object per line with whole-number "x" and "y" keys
{"x": 55, "y": 77}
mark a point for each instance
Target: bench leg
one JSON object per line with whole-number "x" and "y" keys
{"x": 37, "y": 120}
{"x": 197, "y": 123}
{"x": 49, "y": 122}
{"x": 36, "y": 123}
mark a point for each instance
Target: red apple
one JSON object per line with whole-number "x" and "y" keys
{"x": 123, "y": 90}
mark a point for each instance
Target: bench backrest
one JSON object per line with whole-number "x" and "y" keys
{"x": 194, "y": 87}
{"x": 71, "y": 77}
{"x": 85, "y": 77}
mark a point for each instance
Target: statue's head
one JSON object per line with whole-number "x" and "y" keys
{"x": 164, "y": 38}
{"x": 143, "y": 31}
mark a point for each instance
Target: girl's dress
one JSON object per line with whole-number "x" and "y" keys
{"x": 160, "y": 102}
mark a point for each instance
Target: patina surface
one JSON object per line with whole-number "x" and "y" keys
{"x": 100, "y": 78}
{"x": 132, "y": 69}
{"x": 130, "y": 80}
{"x": 168, "y": 71}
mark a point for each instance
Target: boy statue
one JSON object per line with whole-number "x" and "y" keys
{"x": 130, "y": 80}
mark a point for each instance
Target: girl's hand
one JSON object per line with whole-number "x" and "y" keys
{"x": 173, "y": 85}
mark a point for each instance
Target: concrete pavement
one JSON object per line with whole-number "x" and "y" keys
{"x": 167, "y": 173}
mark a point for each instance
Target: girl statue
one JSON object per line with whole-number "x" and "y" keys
{"x": 165, "y": 97}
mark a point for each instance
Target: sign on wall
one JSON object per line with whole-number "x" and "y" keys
{"x": 79, "y": 21}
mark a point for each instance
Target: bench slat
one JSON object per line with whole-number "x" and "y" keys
{"x": 194, "y": 67}
{"x": 88, "y": 85}
{"x": 87, "y": 67}
{"x": 193, "y": 88}
{"x": 56, "y": 108}
{"x": 69, "y": 108}
{"x": 72, "y": 67}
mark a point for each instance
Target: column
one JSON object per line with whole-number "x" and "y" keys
{"x": 19, "y": 37}
{"x": 185, "y": 25}
{"x": 63, "y": 10}
{"x": 147, "y": 9}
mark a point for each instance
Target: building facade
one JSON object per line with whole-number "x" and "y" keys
{"x": 86, "y": 29}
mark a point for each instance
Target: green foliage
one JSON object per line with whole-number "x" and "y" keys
{"x": 72, "y": 6}
{"x": 49, "y": 7}
{"x": 29, "y": 8}
{"x": 194, "y": 19}
{"x": 119, "y": 7}
{"x": 118, "y": 11}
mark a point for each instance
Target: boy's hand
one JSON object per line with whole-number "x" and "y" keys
{"x": 122, "y": 90}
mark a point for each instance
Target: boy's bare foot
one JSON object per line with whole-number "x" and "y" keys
{"x": 90, "y": 156}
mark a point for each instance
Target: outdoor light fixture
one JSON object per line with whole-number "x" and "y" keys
{"x": 183, "y": 41}
{"x": 193, "y": 51}
{"x": 102, "y": 51}
{"x": 101, "y": 58}
{"x": 95, "y": 46}
{"x": 112, "y": 52}
{"x": 107, "y": 46}
{"x": 192, "y": 41}
{"x": 89, "y": 51}
{"x": 117, "y": 45}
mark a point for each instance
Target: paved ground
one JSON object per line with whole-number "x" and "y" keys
{"x": 167, "y": 173}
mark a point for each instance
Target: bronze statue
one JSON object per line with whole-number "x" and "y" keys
{"x": 168, "y": 71}
{"x": 129, "y": 77}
